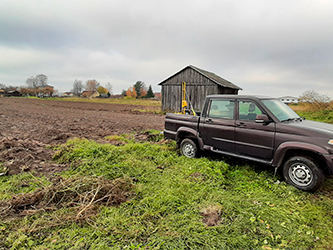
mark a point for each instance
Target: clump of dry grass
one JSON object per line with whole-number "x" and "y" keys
{"x": 315, "y": 106}
{"x": 212, "y": 215}
{"x": 81, "y": 195}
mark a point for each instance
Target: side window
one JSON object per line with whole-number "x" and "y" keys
{"x": 221, "y": 109}
{"x": 248, "y": 111}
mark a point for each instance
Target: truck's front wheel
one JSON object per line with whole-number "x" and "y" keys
{"x": 188, "y": 148}
{"x": 303, "y": 173}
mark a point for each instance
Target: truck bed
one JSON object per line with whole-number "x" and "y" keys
{"x": 174, "y": 121}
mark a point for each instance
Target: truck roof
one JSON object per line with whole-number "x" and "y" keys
{"x": 254, "y": 97}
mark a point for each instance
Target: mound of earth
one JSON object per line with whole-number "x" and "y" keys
{"x": 20, "y": 155}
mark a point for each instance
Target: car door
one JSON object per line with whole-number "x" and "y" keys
{"x": 253, "y": 139}
{"x": 217, "y": 127}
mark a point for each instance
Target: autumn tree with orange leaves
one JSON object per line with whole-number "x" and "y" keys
{"x": 143, "y": 92}
{"x": 27, "y": 91}
{"x": 48, "y": 90}
{"x": 131, "y": 92}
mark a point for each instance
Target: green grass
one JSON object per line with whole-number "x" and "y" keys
{"x": 132, "y": 101}
{"x": 321, "y": 115}
{"x": 172, "y": 195}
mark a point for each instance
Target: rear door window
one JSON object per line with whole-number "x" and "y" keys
{"x": 221, "y": 109}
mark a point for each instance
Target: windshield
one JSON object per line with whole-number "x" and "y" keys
{"x": 280, "y": 110}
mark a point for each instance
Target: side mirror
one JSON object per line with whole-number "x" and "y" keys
{"x": 262, "y": 119}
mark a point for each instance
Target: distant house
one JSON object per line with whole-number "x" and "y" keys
{"x": 90, "y": 94}
{"x": 12, "y": 93}
{"x": 67, "y": 94}
{"x": 199, "y": 84}
{"x": 46, "y": 86}
{"x": 158, "y": 96}
{"x": 289, "y": 99}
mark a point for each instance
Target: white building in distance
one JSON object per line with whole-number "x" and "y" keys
{"x": 289, "y": 99}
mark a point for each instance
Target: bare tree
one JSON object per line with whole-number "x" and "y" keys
{"x": 41, "y": 80}
{"x": 314, "y": 100}
{"x": 33, "y": 84}
{"x": 77, "y": 87}
{"x": 109, "y": 88}
{"x": 37, "y": 83}
{"x": 92, "y": 86}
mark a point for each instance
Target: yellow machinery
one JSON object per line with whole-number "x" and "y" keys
{"x": 184, "y": 102}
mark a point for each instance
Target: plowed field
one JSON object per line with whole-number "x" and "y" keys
{"x": 28, "y": 126}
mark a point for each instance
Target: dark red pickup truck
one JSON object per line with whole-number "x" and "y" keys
{"x": 260, "y": 129}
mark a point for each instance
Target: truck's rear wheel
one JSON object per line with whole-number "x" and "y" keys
{"x": 303, "y": 173}
{"x": 188, "y": 148}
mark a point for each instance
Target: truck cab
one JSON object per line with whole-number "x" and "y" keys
{"x": 261, "y": 129}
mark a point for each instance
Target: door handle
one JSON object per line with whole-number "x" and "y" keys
{"x": 240, "y": 124}
{"x": 209, "y": 120}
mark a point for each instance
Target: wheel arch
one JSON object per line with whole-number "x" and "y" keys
{"x": 189, "y": 133}
{"x": 288, "y": 150}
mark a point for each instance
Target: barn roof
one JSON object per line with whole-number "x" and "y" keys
{"x": 215, "y": 78}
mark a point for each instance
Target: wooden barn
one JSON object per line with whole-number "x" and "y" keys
{"x": 199, "y": 84}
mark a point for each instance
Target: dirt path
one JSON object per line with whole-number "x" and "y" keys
{"x": 27, "y": 126}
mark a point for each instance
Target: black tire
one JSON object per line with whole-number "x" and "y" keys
{"x": 303, "y": 173}
{"x": 188, "y": 148}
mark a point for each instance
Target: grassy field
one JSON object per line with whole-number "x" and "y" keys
{"x": 324, "y": 115}
{"x": 144, "y": 195}
{"x": 168, "y": 202}
{"x": 132, "y": 101}
{"x": 320, "y": 116}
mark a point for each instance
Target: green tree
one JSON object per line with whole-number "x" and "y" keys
{"x": 102, "y": 90}
{"x": 139, "y": 86}
{"x": 150, "y": 93}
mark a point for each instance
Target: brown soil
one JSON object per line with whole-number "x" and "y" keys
{"x": 29, "y": 126}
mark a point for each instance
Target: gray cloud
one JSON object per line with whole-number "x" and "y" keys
{"x": 266, "y": 47}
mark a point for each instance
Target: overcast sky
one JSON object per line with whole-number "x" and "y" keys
{"x": 266, "y": 47}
